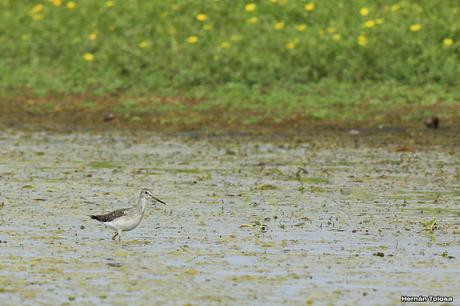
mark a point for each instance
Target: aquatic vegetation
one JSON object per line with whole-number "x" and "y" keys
{"x": 430, "y": 225}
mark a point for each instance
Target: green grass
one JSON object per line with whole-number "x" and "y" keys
{"x": 140, "y": 49}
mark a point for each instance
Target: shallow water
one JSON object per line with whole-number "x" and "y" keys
{"x": 248, "y": 220}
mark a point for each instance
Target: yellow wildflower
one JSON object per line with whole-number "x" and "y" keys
{"x": 331, "y": 30}
{"x": 37, "y": 9}
{"x": 336, "y": 37}
{"x": 192, "y": 39}
{"x": 309, "y": 7}
{"x": 395, "y": 7}
{"x": 279, "y": 25}
{"x": 71, "y": 5}
{"x": 274, "y": 1}
{"x": 56, "y": 2}
{"x": 144, "y": 44}
{"x": 369, "y": 24}
{"x": 362, "y": 40}
{"x": 89, "y": 57}
{"x": 201, "y": 17}
{"x": 447, "y": 42}
{"x": 250, "y": 7}
{"x": 291, "y": 45}
{"x": 225, "y": 45}
{"x": 415, "y": 27}
{"x": 109, "y": 4}
{"x": 207, "y": 27}
{"x": 253, "y": 20}
{"x": 301, "y": 27}
{"x": 364, "y": 11}
{"x": 379, "y": 20}
{"x": 93, "y": 36}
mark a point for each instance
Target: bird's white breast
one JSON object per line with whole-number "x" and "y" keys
{"x": 125, "y": 223}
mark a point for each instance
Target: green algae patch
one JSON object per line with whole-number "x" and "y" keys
{"x": 180, "y": 170}
{"x": 102, "y": 165}
{"x": 314, "y": 180}
{"x": 266, "y": 187}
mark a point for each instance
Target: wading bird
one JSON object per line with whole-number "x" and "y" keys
{"x": 127, "y": 219}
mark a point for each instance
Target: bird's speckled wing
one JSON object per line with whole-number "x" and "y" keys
{"x": 111, "y": 215}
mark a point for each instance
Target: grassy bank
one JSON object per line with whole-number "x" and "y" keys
{"x": 243, "y": 108}
{"x": 274, "y": 62}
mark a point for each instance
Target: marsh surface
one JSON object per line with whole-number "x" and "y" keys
{"x": 248, "y": 220}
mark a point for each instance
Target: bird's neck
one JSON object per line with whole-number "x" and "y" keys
{"x": 141, "y": 204}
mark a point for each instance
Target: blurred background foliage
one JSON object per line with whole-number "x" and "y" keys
{"x": 170, "y": 45}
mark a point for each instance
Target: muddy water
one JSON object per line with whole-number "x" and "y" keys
{"x": 247, "y": 221}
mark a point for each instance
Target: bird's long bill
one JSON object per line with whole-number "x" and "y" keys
{"x": 158, "y": 200}
{"x": 155, "y": 198}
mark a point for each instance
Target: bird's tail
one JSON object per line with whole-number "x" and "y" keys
{"x": 95, "y": 217}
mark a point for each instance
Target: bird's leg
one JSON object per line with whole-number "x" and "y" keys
{"x": 114, "y": 236}
{"x": 119, "y": 235}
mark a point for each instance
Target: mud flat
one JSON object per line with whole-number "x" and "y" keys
{"x": 248, "y": 220}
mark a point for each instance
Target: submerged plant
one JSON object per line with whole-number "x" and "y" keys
{"x": 429, "y": 225}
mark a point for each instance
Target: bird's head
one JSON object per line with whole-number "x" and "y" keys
{"x": 145, "y": 193}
